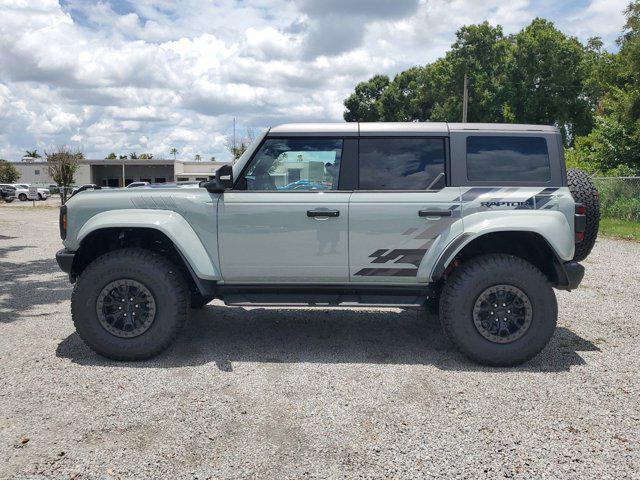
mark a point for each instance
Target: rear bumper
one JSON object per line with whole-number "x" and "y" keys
{"x": 574, "y": 272}
{"x": 65, "y": 260}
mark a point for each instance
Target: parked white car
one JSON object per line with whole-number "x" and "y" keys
{"x": 22, "y": 192}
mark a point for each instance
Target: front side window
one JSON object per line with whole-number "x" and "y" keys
{"x": 401, "y": 164}
{"x": 294, "y": 164}
{"x": 507, "y": 159}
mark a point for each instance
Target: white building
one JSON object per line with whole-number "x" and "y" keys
{"x": 117, "y": 173}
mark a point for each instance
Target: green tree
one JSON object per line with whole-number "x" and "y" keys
{"x": 174, "y": 152}
{"x": 146, "y": 156}
{"x": 545, "y": 79}
{"x": 613, "y": 146}
{"x": 8, "y": 172}
{"x": 111, "y": 156}
{"x": 133, "y": 156}
{"x": 32, "y": 153}
{"x": 481, "y": 52}
{"x": 363, "y": 105}
{"x": 63, "y": 164}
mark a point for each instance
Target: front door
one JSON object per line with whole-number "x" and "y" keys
{"x": 285, "y": 221}
{"x": 401, "y": 210}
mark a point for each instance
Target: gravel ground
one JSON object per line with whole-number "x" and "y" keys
{"x": 314, "y": 393}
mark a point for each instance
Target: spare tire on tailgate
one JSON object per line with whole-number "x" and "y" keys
{"x": 584, "y": 191}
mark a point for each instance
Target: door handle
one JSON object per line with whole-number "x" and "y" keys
{"x": 323, "y": 213}
{"x": 434, "y": 213}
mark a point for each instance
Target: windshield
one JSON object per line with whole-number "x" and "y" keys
{"x": 239, "y": 164}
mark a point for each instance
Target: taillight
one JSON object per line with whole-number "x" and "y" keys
{"x": 63, "y": 222}
{"x": 580, "y": 222}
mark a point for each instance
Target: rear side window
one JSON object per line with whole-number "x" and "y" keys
{"x": 401, "y": 164}
{"x": 507, "y": 159}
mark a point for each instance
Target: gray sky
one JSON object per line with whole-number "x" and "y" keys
{"x": 147, "y": 75}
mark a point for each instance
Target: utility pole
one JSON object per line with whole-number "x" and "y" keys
{"x": 465, "y": 99}
{"x": 234, "y": 136}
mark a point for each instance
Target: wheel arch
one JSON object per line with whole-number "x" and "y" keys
{"x": 165, "y": 232}
{"x": 529, "y": 245}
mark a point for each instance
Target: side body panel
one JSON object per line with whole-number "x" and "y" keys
{"x": 268, "y": 237}
{"x": 388, "y": 239}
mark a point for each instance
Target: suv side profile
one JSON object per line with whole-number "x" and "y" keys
{"x": 476, "y": 221}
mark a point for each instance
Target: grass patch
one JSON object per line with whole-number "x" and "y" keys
{"x": 612, "y": 227}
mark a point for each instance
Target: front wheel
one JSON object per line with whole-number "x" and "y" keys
{"x": 22, "y": 197}
{"x": 129, "y": 304}
{"x": 498, "y": 309}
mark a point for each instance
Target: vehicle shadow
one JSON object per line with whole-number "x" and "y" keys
{"x": 226, "y": 335}
{"x": 26, "y": 285}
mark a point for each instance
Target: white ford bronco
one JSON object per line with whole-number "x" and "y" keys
{"x": 478, "y": 222}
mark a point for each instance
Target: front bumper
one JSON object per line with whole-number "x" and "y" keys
{"x": 574, "y": 272}
{"x": 65, "y": 260}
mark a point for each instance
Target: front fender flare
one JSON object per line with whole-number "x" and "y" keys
{"x": 172, "y": 224}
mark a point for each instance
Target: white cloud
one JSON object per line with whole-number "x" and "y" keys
{"x": 153, "y": 74}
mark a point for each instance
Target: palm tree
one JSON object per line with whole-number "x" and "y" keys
{"x": 198, "y": 157}
{"x": 133, "y": 156}
{"x": 174, "y": 152}
{"x": 32, "y": 153}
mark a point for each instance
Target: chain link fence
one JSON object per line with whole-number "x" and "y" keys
{"x": 619, "y": 197}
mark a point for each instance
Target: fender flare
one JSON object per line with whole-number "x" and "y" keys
{"x": 550, "y": 226}
{"x": 170, "y": 223}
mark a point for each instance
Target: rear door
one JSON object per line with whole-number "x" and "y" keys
{"x": 286, "y": 221}
{"x": 401, "y": 208}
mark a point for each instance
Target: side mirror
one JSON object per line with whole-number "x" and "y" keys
{"x": 222, "y": 181}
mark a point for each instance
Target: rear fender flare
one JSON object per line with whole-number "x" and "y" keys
{"x": 552, "y": 226}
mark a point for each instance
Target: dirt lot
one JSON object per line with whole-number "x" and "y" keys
{"x": 312, "y": 393}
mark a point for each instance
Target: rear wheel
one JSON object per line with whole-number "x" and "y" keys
{"x": 22, "y": 197}
{"x": 129, "y": 304}
{"x": 499, "y": 310}
{"x": 584, "y": 191}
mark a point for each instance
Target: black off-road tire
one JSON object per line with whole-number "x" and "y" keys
{"x": 584, "y": 191}
{"x": 161, "y": 277}
{"x": 469, "y": 281}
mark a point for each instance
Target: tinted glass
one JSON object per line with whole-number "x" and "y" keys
{"x": 507, "y": 159}
{"x": 293, "y": 164}
{"x": 401, "y": 163}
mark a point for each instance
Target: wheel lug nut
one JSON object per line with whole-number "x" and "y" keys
{"x": 491, "y": 313}
{"x": 119, "y": 308}
{"x": 508, "y": 311}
